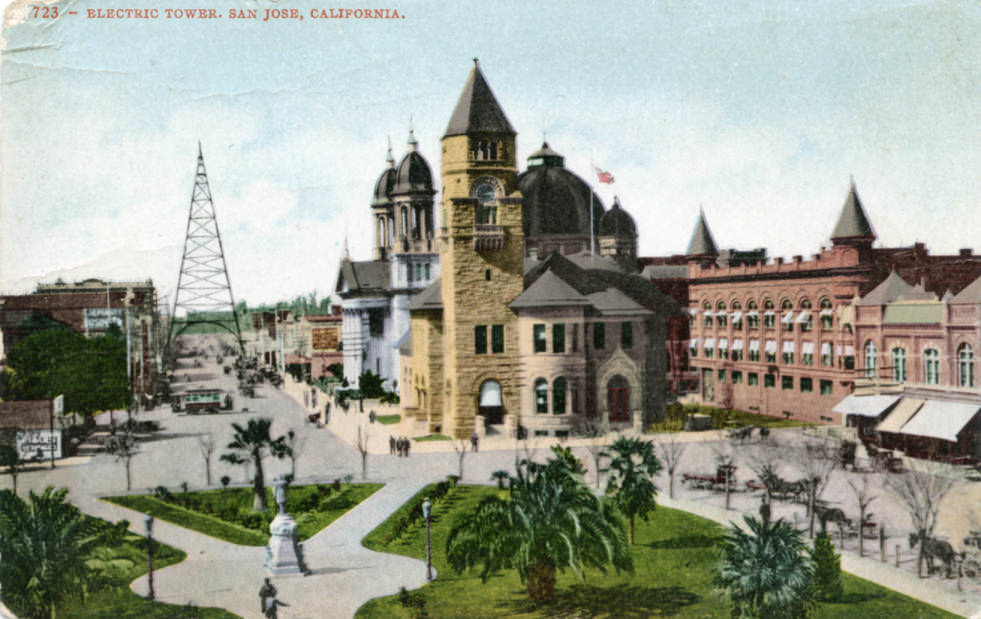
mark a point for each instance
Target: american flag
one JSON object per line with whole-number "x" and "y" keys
{"x": 603, "y": 176}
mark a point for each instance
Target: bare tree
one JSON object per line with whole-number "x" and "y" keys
{"x": 864, "y": 498}
{"x": 671, "y": 452}
{"x": 816, "y": 460}
{"x": 590, "y": 428}
{"x": 724, "y": 458}
{"x": 764, "y": 460}
{"x": 460, "y": 446}
{"x": 920, "y": 489}
{"x": 122, "y": 445}
{"x": 361, "y": 443}
{"x": 206, "y": 443}
{"x": 295, "y": 442}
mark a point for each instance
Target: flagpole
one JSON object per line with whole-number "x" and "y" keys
{"x": 592, "y": 253}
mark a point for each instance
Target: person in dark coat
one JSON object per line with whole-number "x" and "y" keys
{"x": 474, "y": 440}
{"x": 391, "y": 445}
{"x": 266, "y": 591}
{"x": 407, "y": 445}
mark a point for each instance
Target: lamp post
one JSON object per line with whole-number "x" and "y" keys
{"x": 427, "y": 512}
{"x": 148, "y": 520}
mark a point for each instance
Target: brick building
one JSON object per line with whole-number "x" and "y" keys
{"x": 784, "y": 338}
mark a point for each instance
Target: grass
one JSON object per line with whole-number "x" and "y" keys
{"x": 388, "y": 419}
{"x": 227, "y": 513}
{"x": 109, "y": 594}
{"x": 673, "y": 558}
{"x": 722, "y": 418}
{"x": 432, "y": 437}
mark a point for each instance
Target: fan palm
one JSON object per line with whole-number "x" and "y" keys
{"x": 250, "y": 445}
{"x": 766, "y": 570}
{"x": 550, "y": 521}
{"x": 633, "y": 463}
{"x": 44, "y": 542}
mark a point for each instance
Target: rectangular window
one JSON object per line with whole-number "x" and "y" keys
{"x": 807, "y": 358}
{"x": 722, "y": 376}
{"x": 806, "y": 385}
{"x": 769, "y": 380}
{"x": 737, "y": 354}
{"x": 826, "y": 387}
{"x": 418, "y": 271}
{"x": 497, "y": 338}
{"x": 599, "y": 336}
{"x": 752, "y": 379}
{"x": 737, "y": 378}
{"x": 826, "y": 320}
{"x": 427, "y": 271}
{"x": 627, "y": 335}
{"x": 787, "y": 382}
{"x": 558, "y": 338}
{"x": 769, "y": 320}
{"x": 575, "y": 338}
{"x": 538, "y": 337}
{"x": 480, "y": 339}
{"x": 754, "y": 321}
{"x": 849, "y": 362}
{"x": 788, "y": 357}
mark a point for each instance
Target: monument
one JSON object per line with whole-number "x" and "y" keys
{"x": 283, "y": 554}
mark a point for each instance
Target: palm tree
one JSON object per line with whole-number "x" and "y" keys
{"x": 632, "y": 465}
{"x": 44, "y": 541}
{"x": 10, "y": 459}
{"x": 251, "y": 445}
{"x": 550, "y": 521}
{"x": 766, "y": 570}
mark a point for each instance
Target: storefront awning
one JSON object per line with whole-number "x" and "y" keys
{"x": 939, "y": 419}
{"x": 803, "y": 317}
{"x": 865, "y": 405}
{"x": 903, "y": 412}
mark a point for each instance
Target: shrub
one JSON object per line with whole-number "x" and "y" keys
{"x": 827, "y": 570}
{"x": 225, "y": 480}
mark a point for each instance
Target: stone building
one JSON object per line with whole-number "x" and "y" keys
{"x": 513, "y": 331}
{"x": 785, "y": 338}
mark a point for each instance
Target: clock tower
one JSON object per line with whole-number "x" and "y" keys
{"x": 482, "y": 261}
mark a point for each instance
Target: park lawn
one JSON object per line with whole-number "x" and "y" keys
{"x": 673, "y": 560}
{"x": 388, "y": 419}
{"x": 109, "y": 593}
{"x": 227, "y": 513}
{"x": 431, "y": 437}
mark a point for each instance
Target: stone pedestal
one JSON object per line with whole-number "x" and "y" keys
{"x": 284, "y": 555}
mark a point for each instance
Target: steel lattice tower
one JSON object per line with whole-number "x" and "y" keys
{"x": 204, "y": 292}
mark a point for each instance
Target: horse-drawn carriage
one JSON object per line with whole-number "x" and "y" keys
{"x": 725, "y": 474}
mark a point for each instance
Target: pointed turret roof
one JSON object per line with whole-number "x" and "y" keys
{"x": 477, "y": 111}
{"x": 853, "y": 223}
{"x": 890, "y": 289}
{"x": 702, "y": 242}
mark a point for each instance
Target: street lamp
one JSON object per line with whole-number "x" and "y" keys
{"x": 427, "y": 512}
{"x": 148, "y": 520}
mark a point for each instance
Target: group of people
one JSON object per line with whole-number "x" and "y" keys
{"x": 399, "y": 446}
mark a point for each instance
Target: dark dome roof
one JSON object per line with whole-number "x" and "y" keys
{"x": 617, "y": 222}
{"x": 383, "y": 188}
{"x": 413, "y": 174}
{"x": 556, "y": 201}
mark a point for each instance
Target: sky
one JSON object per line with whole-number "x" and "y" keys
{"x": 758, "y": 112}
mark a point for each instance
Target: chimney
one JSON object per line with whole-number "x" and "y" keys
{"x": 966, "y": 252}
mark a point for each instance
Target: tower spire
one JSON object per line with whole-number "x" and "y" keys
{"x": 853, "y": 224}
{"x": 702, "y": 243}
{"x": 203, "y": 286}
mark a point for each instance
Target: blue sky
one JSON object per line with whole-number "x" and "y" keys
{"x": 758, "y": 111}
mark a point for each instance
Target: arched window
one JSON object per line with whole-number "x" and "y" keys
{"x": 870, "y": 359}
{"x": 491, "y": 405}
{"x": 707, "y": 310}
{"x": 558, "y": 396}
{"x": 965, "y": 365}
{"x": 721, "y": 318}
{"x": 769, "y": 316}
{"x": 752, "y": 315}
{"x": 405, "y": 221}
{"x": 827, "y": 314}
{"x": 787, "y": 315}
{"x": 899, "y": 365}
{"x": 931, "y": 366}
{"x": 541, "y": 396}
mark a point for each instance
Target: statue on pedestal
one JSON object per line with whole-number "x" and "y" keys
{"x": 284, "y": 555}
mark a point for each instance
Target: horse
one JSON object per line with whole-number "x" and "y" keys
{"x": 832, "y": 514}
{"x": 933, "y": 547}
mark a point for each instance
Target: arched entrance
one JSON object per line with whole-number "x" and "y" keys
{"x": 618, "y": 398}
{"x": 490, "y": 405}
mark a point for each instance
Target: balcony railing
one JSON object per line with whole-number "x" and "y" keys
{"x": 488, "y": 236}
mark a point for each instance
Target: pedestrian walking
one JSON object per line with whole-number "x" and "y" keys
{"x": 391, "y": 445}
{"x": 474, "y": 440}
{"x": 266, "y": 591}
{"x": 372, "y": 416}
{"x": 272, "y": 607}
{"x": 407, "y": 445}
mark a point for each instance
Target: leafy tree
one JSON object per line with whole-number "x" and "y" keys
{"x": 43, "y": 541}
{"x": 632, "y": 465}
{"x": 827, "y": 569}
{"x": 122, "y": 445}
{"x": 250, "y": 445}
{"x": 501, "y": 477}
{"x": 10, "y": 459}
{"x": 766, "y": 571}
{"x": 550, "y": 521}
{"x": 371, "y": 385}
{"x": 337, "y": 369}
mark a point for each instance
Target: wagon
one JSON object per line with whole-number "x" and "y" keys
{"x": 712, "y": 481}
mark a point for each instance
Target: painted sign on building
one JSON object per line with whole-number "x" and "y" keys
{"x": 38, "y": 444}
{"x": 326, "y": 338}
{"x": 99, "y": 318}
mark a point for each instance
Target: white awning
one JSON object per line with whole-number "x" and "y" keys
{"x": 788, "y": 347}
{"x": 865, "y": 405}
{"x": 693, "y": 311}
{"x": 803, "y": 317}
{"x": 752, "y": 313}
{"x": 694, "y": 342}
{"x": 788, "y": 317}
{"x": 490, "y": 393}
{"x": 710, "y": 342}
{"x": 771, "y": 347}
{"x": 939, "y": 419}
{"x": 754, "y": 346}
{"x": 769, "y": 313}
{"x": 826, "y": 349}
{"x": 737, "y": 317}
{"x": 737, "y": 344}
{"x": 709, "y": 313}
{"x": 899, "y": 415}
{"x": 827, "y": 311}
{"x": 849, "y": 351}
{"x": 724, "y": 343}
{"x": 807, "y": 348}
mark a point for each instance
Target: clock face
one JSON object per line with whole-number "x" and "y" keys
{"x": 486, "y": 193}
